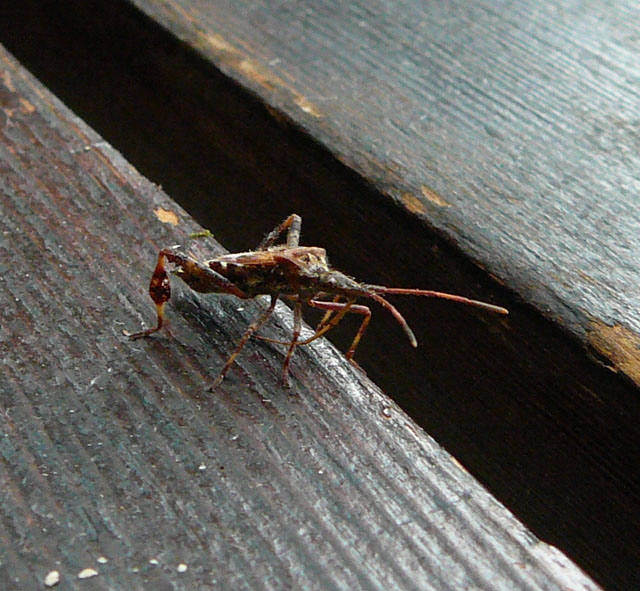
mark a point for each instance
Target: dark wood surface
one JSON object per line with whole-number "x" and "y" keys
{"x": 511, "y": 131}
{"x": 114, "y": 456}
{"x": 550, "y": 432}
{"x": 511, "y": 128}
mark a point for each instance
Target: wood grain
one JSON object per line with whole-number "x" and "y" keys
{"x": 114, "y": 456}
{"x": 512, "y": 129}
{"x": 551, "y": 433}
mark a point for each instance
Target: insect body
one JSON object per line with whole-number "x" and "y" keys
{"x": 298, "y": 273}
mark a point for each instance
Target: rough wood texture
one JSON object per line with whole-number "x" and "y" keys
{"x": 554, "y": 436}
{"x": 511, "y": 128}
{"x": 114, "y": 450}
{"x": 513, "y": 132}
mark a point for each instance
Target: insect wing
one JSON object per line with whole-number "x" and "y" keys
{"x": 261, "y": 258}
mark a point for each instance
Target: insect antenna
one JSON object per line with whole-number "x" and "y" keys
{"x": 438, "y": 294}
{"x": 374, "y": 291}
{"x": 396, "y": 314}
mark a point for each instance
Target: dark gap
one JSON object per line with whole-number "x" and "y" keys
{"x": 550, "y": 433}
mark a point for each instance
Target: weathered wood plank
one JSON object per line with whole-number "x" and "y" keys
{"x": 510, "y": 129}
{"x": 114, "y": 450}
{"x": 511, "y": 132}
{"x": 549, "y": 432}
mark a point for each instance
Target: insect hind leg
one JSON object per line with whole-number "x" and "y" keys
{"x": 160, "y": 292}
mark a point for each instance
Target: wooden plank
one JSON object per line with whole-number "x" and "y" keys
{"x": 512, "y": 134}
{"x": 512, "y": 131}
{"x": 553, "y": 435}
{"x": 114, "y": 456}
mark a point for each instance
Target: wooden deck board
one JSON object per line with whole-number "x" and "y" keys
{"x": 512, "y": 131}
{"x": 553, "y": 435}
{"x": 112, "y": 449}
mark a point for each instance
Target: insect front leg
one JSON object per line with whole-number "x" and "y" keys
{"x": 329, "y": 321}
{"x": 293, "y": 225}
{"x": 335, "y": 313}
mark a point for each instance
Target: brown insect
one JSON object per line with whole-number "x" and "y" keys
{"x": 298, "y": 273}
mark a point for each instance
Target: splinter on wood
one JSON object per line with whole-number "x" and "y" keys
{"x": 300, "y": 274}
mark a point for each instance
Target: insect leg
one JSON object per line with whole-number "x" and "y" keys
{"x": 327, "y": 315}
{"x": 293, "y": 224}
{"x": 324, "y": 326}
{"x": 329, "y": 322}
{"x": 253, "y": 327}
{"x": 201, "y": 277}
{"x": 342, "y": 308}
{"x": 197, "y": 276}
{"x": 160, "y": 292}
{"x": 297, "y": 327}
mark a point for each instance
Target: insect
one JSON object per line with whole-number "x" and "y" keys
{"x": 300, "y": 274}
